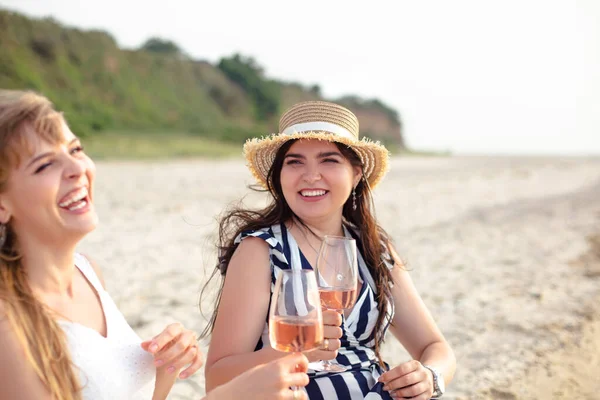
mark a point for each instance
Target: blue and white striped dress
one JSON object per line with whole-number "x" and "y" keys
{"x": 358, "y": 340}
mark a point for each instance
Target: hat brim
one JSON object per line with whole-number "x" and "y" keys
{"x": 260, "y": 154}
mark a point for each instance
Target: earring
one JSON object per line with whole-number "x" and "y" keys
{"x": 354, "y": 199}
{"x": 3, "y": 234}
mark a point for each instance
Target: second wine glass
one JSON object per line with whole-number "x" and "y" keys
{"x": 337, "y": 278}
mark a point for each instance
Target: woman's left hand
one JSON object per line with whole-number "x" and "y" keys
{"x": 408, "y": 380}
{"x": 174, "y": 348}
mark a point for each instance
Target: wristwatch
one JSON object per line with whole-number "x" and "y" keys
{"x": 438, "y": 382}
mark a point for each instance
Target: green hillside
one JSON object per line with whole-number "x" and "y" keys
{"x": 157, "y": 88}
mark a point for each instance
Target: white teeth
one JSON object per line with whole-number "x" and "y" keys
{"x": 75, "y": 197}
{"x": 78, "y": 206}
{"x": 312, "y": 193}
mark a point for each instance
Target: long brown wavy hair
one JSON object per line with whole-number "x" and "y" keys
{"x": 374, "y": 240}
{"x": 41, "y": 338}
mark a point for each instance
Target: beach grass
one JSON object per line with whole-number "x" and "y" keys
{"x": 157, "y": 146}
{"x": 176, "y": 145}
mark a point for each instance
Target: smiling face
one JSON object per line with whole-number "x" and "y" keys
{"x": 48, "y": 193}
{"x": 316, "y": 179}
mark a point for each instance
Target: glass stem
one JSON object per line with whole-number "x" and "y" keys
{"x": 294, "y": 387}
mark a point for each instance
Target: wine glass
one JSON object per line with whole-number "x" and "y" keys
{"x": 337, "y": 278}
{"x": 295, "y": 317}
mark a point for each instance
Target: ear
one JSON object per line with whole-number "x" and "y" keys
{"x": 4, "y": 210}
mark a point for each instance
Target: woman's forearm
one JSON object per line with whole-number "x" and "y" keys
{"x": 164, "y": 383}
{"x": 227, "y": 368}
{"x": 440, "y": 356}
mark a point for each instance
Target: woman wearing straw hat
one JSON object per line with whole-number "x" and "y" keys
{"x": 61, "y": 335}
{"x": 320, "y": 176}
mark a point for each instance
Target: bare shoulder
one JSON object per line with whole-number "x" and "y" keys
{"x": 251, "y": 258}
{"x": 251, "y": 246}
{"x": 96, "y": 268}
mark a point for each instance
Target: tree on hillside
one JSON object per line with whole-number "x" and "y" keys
{"x": 157, "y": 45}
{"x": 315, "y": 89}
{"x": 250, "y": 76}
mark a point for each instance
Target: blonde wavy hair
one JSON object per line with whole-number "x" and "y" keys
{"x": 39, "y": 334}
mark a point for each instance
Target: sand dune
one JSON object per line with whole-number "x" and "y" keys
{"x": 500, "y": 248}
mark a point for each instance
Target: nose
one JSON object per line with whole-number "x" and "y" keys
{"x": 75, "y": 167}
{"x": 312, "y": 174}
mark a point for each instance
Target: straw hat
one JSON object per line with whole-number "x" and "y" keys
{"x": 322, "y": 121}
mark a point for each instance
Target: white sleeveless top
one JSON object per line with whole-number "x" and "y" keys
{"x": 111, "y": 368}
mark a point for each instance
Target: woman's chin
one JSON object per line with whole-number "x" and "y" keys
{"x": 82, "y": 227}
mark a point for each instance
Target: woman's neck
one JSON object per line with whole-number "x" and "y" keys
{"x": 320, "y": 228}
{"x": 50, "y": 269}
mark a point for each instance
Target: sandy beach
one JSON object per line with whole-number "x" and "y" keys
{"x": 504, "y": 250}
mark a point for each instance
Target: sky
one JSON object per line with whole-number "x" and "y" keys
{"x": 466, "y": 76}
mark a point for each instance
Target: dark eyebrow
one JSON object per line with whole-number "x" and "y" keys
{"x": 329, "y": 154}
{"x": 49, "y": 153}
{"x": 294, "y": 155}
{"x": 320, "y": 155}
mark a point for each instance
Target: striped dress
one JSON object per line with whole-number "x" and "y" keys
{"x": 358, "y": 340}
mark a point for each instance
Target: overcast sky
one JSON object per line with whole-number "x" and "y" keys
{"x": 470, "y": 76}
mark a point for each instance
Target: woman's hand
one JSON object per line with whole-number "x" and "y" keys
{"x": 174, "y": 348}
{"x": 331, "y": 337}
{"x": 409, "y": 380}
{"x": 268, "y": 381}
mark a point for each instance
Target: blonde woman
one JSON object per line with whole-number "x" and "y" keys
{"x": 61, "y": 335}
{"x": 319, "y": 175}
